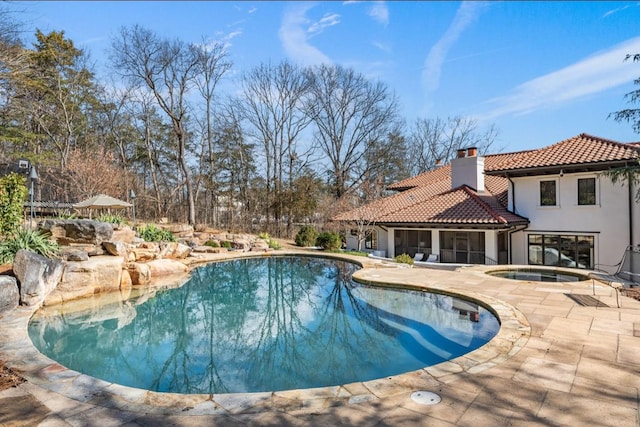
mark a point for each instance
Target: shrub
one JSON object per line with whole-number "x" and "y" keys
{"x": 306, "y": 236}
{"x": 273, "y": 244}
{"x": 31, "y": 240}
{"x": 264, "y": 236}
{"x": 404, "y": 259}
{"x": 12, "y": 195}
{"x": 226, "y": 244}
{"x": 212, "y": 243}
{"x": 329, "y": 241}
{"x": 112, "y": 219}
{"x": 152, "y": 233}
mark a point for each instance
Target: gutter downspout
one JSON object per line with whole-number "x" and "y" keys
{"x": 514, "y": 229}
{"x": 629, "y": 180}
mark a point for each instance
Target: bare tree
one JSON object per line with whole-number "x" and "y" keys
{"x": 168, "y": 68}
{"x": 271, "y": 105}
{"x": 213, "y": 64}
{"x": 434, "y": 140}
{"x": 350, "y": 114}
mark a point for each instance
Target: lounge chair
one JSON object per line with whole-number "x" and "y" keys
{"x": 432, "y": 258}
{"x": 418, "y": 257}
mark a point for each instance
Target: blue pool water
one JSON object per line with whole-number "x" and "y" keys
{"x": 261, "y": 324}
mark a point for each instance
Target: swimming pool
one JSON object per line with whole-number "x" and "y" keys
{"x": 538, "y": 275}
{"x": 262, "y": 324}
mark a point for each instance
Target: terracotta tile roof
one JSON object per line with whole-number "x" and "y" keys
{"x": 438, "y": 204}
{"x": 444, "y": 172}
{"x": 429, "y": 199}
{"x": 580, "y": 151}
{"x": 458, "y": 206}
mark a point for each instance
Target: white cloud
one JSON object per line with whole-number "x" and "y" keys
{"x": 466, "y": 14}
{"x": 293, "y": 35}
{"x": 380, "y": 12}
{"x": 328, "y": 20}
{"x": 597, "y": 73}
{"x": 619, "y": 9}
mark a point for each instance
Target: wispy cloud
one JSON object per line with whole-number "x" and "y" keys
{"x": 293, "y": 35}
{"x": 597, "y": 73}
{"x": 328, "y": 20}
{"x": 380, "y": 12}
{"x": 466, "y": 14}
{"x": 619, "y": 9}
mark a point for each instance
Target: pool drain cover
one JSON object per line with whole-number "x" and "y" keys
{"x": 425, "y": 397}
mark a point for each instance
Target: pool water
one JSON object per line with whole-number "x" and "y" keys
{"x": 262, "y": 324}
{"x": 539, "y": 275}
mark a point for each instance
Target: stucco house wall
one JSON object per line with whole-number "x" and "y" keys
{"x": 607, "y": 221}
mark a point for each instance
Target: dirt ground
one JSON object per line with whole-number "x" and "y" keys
{"x": 631, "y": 293}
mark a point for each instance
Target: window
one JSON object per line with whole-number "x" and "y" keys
{"x": 462, "y": 247}
{"x": 371, "y": 239}
{"x": 587, "y": 191}
{"x": 561, "y": 250}
{"x": 548, "y": 193}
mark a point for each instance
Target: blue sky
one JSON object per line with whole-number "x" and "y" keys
{"x": 540, "y": 71}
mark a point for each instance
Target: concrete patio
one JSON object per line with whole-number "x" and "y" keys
{"x": 554, "y": 363}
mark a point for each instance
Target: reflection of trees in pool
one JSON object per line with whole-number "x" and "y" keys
{"x": 236, "y": 326}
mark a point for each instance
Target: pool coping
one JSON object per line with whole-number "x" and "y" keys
{"x": 18, "y": 353}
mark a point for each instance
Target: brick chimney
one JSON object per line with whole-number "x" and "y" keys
{"x": 468, "y": 169}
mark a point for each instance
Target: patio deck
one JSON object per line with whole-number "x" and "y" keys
{"x": 574, "y": 365}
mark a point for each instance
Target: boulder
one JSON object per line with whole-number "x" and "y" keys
{"x": 71, "y": 231}
{"x": 241, "y": 244}
{"x": 142, "y": 254}
{"x": 123, "y": 234}
{"x": 75, "y": 255}
{"x": 9, "y": 294}
{"x": 179, "y": 230}
{"x": 260, "y": 246}
{"x": 115, "y": 248}
{"x": 139, "y": 273}
{"x": 209, "y": 250}
{"x": 81, "y": 279}
{"x": 174, "y": 250}
{"x": 125, "y": 284}
{"x": 166, "y": 267}
{"x": 37, "y": 276}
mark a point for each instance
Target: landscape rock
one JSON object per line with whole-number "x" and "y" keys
{"x": 241, "y": 244}
{"x": 37, "y": 276}
{"x": 142, "y": 254}
{"x": 209, "y": 250}
{"x": 115, "y": 248}
{"x": 179, "y": 230}
{"x": 9, "y": 294}
{"x": 99, "y": 274}
{"x": 123, "y": 234}
{"x": 140, "y": 273}
{"x": 76, "y": 255}
{"x": 174, "y": 250}
{"x": 260, "y": 246}
{"x": 166, "y": 267}
{"x": 71, "y": 231}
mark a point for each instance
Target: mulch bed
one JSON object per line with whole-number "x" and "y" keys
{"x": 9, "y": 378}
{"x": 631, "y": 293}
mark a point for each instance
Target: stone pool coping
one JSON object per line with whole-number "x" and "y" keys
{"x": 17, "y": 351}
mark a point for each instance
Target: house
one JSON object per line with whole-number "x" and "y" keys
{"x": 550, "y": 206}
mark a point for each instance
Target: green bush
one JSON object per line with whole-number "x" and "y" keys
{"x": 212, "y": 243}
{"x": 329, "y": 241}
{"x": 404, "y": 259}
{"x": 306, "y": 236}
{"x": 111, "y": 219}
{"x": 31, "y": 240}
{"x": 264, "y": 236}
{"x": 152, "y": 233}
{"x": 273, "y": 244}
{"x": 226, "y": 244}
{"x": 12, "y": 196}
